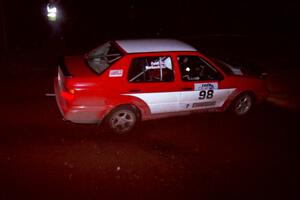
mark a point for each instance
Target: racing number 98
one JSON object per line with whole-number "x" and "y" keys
{"x": 206, "y": 95}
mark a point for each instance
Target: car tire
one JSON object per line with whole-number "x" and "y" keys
{"x": 122, "y": 119}
{"x": 242, "y": 104}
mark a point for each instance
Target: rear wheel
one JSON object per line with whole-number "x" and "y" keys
{"x": 242, "y": 104}
{"x": 122, "y": 119}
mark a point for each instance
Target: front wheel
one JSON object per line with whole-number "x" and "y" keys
{"x": 242, "y": 104}
{"x": 122, "y": 120}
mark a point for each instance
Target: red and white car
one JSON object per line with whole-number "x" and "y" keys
{"x": 125, "y": 81}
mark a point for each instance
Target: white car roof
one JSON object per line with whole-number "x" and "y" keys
{"x": 153, "y": 45}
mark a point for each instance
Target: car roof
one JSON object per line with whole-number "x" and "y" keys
{"x": 153, "y": 45}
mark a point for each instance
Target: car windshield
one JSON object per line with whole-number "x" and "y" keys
{"x": 223, "y": 65}
{"x": 103, "y": 57}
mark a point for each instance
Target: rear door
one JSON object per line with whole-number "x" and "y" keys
{"x": 202, "y": 84}
{"x": 151, "y": 79}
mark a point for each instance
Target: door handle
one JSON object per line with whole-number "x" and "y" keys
{"x": 187, "y": 89}
{"x": 134, "y": 91}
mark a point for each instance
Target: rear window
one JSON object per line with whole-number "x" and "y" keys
{"x": 103, "y": 57}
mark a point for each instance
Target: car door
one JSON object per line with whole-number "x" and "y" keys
{"x": 202, "y": 84}
{"x": 151, "y": 79}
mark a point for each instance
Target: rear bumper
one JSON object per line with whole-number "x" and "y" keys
{"x": 77, "y": 114}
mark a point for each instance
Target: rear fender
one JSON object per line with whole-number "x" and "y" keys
{"x": 139, "y": 104}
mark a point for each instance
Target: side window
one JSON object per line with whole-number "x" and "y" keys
{"x": 151, "y": 69}
{"x": 194, "y": 68}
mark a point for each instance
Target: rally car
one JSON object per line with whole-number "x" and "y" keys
{"x": 125, "y": 81}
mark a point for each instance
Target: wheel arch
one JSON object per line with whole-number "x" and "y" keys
{"x": 250, "y": 92}
{"x": 132, "y": 106}
{"x": 238, "y": 95}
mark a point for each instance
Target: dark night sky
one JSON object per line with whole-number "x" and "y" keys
{"x": 26, "y": 21}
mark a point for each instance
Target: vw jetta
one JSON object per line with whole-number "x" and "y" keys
{"x": 125, "y": 81}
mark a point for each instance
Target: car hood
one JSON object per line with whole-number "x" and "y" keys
{"x": 240, "y": 68}
{"x": 252, "y": 70}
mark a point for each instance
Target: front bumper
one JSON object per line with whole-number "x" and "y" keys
{"x": 262, "y": 96}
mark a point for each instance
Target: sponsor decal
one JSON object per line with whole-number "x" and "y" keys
{"x": 116, "y": 73}
{"x": 155, "y": 65}
{"x": 203, "y": 104}
{"x": 205, "y": 86}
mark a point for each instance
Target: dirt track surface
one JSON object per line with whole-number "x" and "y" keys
{"x": 204, "y": 156}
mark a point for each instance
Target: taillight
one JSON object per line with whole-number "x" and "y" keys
{"x": 66, "y": 95}
{"x": 68, "y": 87}
{"x": 71, "y": 91}
{"x": 68, "y": 92}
